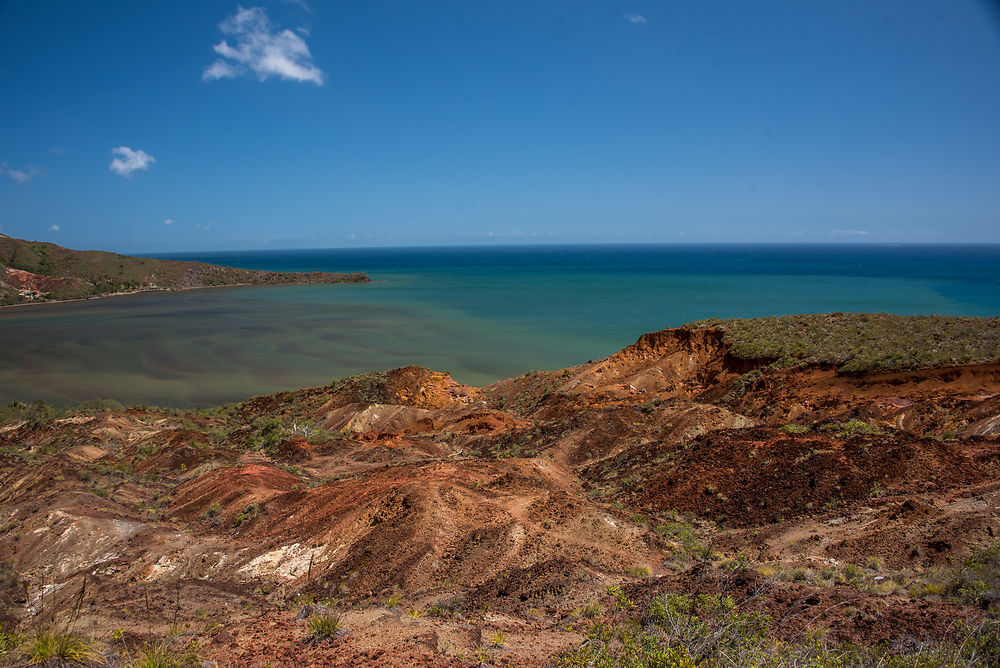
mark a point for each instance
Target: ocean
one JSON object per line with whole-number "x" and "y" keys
{"x": 480, "y": 313}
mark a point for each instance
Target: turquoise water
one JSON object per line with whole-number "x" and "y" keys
{"x": 480, "y": 313}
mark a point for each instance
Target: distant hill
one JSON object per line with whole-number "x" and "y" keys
{"x": 32, "y": 271}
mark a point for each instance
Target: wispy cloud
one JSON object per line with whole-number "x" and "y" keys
{"x": 19, "y": 175}
{"x": 169, "y": 221}
{"x": 301, "y": 4}
{"x": 259, "y": 48}
{"x": 635, "y": 18}
{"x": 54, "y": 228}
{"x": 850, "y": 233}
{"x": 129, "y": 161}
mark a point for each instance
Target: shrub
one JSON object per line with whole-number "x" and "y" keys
{"x": 977, "y": 580}
{"x": 851, "y": 428}
{"x": 688, "y": 537}
{"x": 247, "y": 515}
{"x": 713, "y": 630}
{"x": 621, "y": 601}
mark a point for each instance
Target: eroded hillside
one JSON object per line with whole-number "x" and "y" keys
{"x": 546, "y": 518}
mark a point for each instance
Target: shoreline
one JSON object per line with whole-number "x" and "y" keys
{"x": 150, "y": 290}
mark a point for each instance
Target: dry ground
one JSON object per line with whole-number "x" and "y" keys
{"x": 454, "y": 525}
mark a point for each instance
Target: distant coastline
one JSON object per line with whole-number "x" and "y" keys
{"x": 146, "y": 291}
{"x": 33, "y": 272}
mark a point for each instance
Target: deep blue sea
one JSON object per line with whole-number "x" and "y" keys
{"x": 481, "y": 313}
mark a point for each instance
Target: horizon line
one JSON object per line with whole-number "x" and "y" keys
{"x": 953, "y": 244}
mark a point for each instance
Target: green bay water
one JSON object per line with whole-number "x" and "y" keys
{"x": 481, "y": 313}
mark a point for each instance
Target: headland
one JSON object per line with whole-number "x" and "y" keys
{"x": 34, "y": 272}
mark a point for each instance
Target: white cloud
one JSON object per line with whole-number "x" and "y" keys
{"x": 53, "y": 228}
{"x": 169, "y": 221}
{"x": 850, "y": 233}
{"x": 129, "y": 161}
{"x": 635, "y": 18}
{"x": 259, "y": 48}
{"x": 20, "y": 175}
{"x": 219, "y": 70}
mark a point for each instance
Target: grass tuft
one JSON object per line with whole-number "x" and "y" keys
{"x": 163, "y": 655}
{"x": 324, "y": 626}
{"x": 61, "y": 648}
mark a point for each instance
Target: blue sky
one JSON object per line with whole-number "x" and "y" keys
{"x": 170, "y": 126}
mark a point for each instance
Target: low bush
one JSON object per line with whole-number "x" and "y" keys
{"x": 713, "y": 630}
{"x": 976, "y": 580}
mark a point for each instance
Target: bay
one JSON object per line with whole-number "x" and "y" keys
{"x": 481, "y": 313}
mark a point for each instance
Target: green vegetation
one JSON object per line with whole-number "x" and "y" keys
{"x": 164, "y": 655}
{"x": 60, "y": 648}
{"x": 368, "y": 388}
{"x": 95, "y": 273}
{"x": 212, "y": 514}
{"x": 976, "y": 580}
{"x": 267, "y": 434}
{"x": 498, "y": 639}
{"x": 619, "y": 599}
{"x": 324, "y": 626}
{"x": 247, "y": 515}
{"x": 850, "y": 428}
{"x": 9, "y": 642}
{"x": 862, "y": 341}
{"x": 41, "y": 412}
{"x": 689, "y": 538}
{"x": 713, "y": 630}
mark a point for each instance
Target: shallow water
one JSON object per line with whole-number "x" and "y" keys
{"x": 480, "y": 313}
